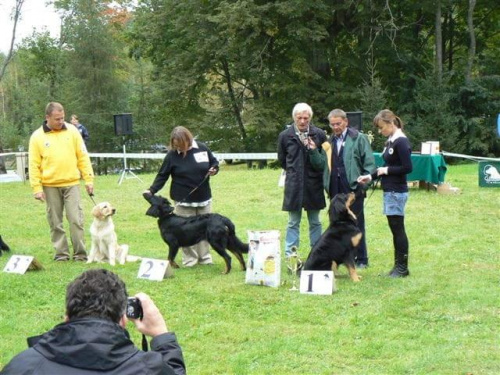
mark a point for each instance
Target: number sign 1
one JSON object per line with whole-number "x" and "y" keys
{"x": 22, "y": 263}
{"x": 317, "y": 282}
{"x": 155, "y": 269}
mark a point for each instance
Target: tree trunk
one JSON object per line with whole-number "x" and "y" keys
{"x": 439, "y": 43}
{"x": 234, "y": 105}
{"x": 472, "y": 43}
{"x": 17, "y": 14}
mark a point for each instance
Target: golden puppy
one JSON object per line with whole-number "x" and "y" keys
{"x": 104, "y": 240}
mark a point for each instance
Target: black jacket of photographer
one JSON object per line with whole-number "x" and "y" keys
{"x": 304, "y": 170}
{"x": 96, "y": 346}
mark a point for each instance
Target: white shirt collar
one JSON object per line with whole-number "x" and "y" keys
{"x": 193, "y": 145}
{"x": 397, "y": 134}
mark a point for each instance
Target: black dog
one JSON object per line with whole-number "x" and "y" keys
{"x": 3, "y": 246}
{"x": 339, "y": 241}
{"x": 179, "y": 231}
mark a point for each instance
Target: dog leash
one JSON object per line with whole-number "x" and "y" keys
{"x": 373, "y": 191}
{"x": 91, "y": 195}
{"x": 196, "y": 188}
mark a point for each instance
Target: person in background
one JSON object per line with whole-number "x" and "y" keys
{"x": 190, "y": 163}
{"x": 93, "y": 338}
{"x": 58, "y": 159}
{"x": 349, "y": 156}
{"x": 397, "y": 165}
{"x": 301, "y": 157}
{"x": 82, "y": 129}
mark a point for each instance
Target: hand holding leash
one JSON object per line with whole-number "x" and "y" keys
{"x": 90, "y": 189}
{"x": 364, "y": 179}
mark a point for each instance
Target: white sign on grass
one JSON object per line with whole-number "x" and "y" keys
{"x": 18, "y": 264}
{"x": 155, "y": 269}
{"x": 317, "y": 282}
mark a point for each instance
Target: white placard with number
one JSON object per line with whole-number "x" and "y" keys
{"x": 154, "y": 269}
{"x": 317, "y": 282}
{"x": 18, "y": 264}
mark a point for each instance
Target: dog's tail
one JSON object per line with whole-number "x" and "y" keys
{"x": 234, "y": 243}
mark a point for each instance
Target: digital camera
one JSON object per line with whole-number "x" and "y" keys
{"x": 134, "y": 308}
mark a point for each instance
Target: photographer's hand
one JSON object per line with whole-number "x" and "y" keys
{"x": 152, "y": 323}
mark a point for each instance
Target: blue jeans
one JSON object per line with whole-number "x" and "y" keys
{"x": 293, "y": 229}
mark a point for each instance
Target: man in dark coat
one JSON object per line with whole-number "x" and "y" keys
{"x": 301, "y": 156}
{"x": 93, "y": 339}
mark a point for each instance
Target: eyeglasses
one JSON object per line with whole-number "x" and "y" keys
{"x": 336, "y": 124}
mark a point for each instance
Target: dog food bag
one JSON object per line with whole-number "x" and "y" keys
{"x": 264, "y": 258}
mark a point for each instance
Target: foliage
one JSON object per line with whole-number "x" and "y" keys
{"x": 443, "y": 319}
{"x": 231, "y": 70}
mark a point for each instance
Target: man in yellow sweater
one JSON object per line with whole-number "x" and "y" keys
{"x": 58, "y": 159}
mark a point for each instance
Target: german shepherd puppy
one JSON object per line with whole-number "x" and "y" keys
{"x": 339, "y": 241}
{"x": 178, "y": 231}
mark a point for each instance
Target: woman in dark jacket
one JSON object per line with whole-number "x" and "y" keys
{"x": 301, "y": 156}
{"x": 397, "y": 165}
{"x": 190, "y": 163}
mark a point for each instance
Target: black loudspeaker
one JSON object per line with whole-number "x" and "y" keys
{"x": 123, "y": 124}
{"x": 355, "y": 120}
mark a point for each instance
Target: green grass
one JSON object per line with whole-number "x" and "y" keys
{"x": 443, "y": 319}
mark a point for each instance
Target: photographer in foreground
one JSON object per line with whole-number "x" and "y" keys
{"x": 93, "y": 339}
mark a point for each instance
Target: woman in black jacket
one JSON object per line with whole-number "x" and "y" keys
{"x": 190, "y": 163}
{"x": 397, "y": 165}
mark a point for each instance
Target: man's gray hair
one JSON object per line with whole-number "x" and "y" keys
{"x": 337, "y": 113}
{"x": 302, "y": 107}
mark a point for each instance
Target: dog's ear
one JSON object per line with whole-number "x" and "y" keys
{"x": 153, "y": 211}
{"x": 96, "y": 212}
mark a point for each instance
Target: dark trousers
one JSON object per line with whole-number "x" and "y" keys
{"x": 357, "y": 208}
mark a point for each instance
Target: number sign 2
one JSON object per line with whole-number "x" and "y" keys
{"x": 155, "y": 269}
{"x": 317, "y": 282}
{"x": 22, "y": 263}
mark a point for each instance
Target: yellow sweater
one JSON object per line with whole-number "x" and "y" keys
{"x": 58, "y": 158}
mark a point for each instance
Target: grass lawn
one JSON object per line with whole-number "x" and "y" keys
{"x": 443, "y": 319}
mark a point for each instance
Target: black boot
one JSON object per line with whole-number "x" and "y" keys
{"x": 401, "y": 246}
{"x": 3, "y": 246}
{"x": 400, "y": 268}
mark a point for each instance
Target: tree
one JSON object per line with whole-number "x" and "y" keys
{"x": 17, "y": 14}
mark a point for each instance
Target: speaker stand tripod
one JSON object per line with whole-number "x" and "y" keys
{"x": 126, "y": 173}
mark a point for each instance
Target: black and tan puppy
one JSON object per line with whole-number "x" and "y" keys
{"x": 339, "y": 241}
{"x": 3, "y": 246}
{"x": 178, "y": 231}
